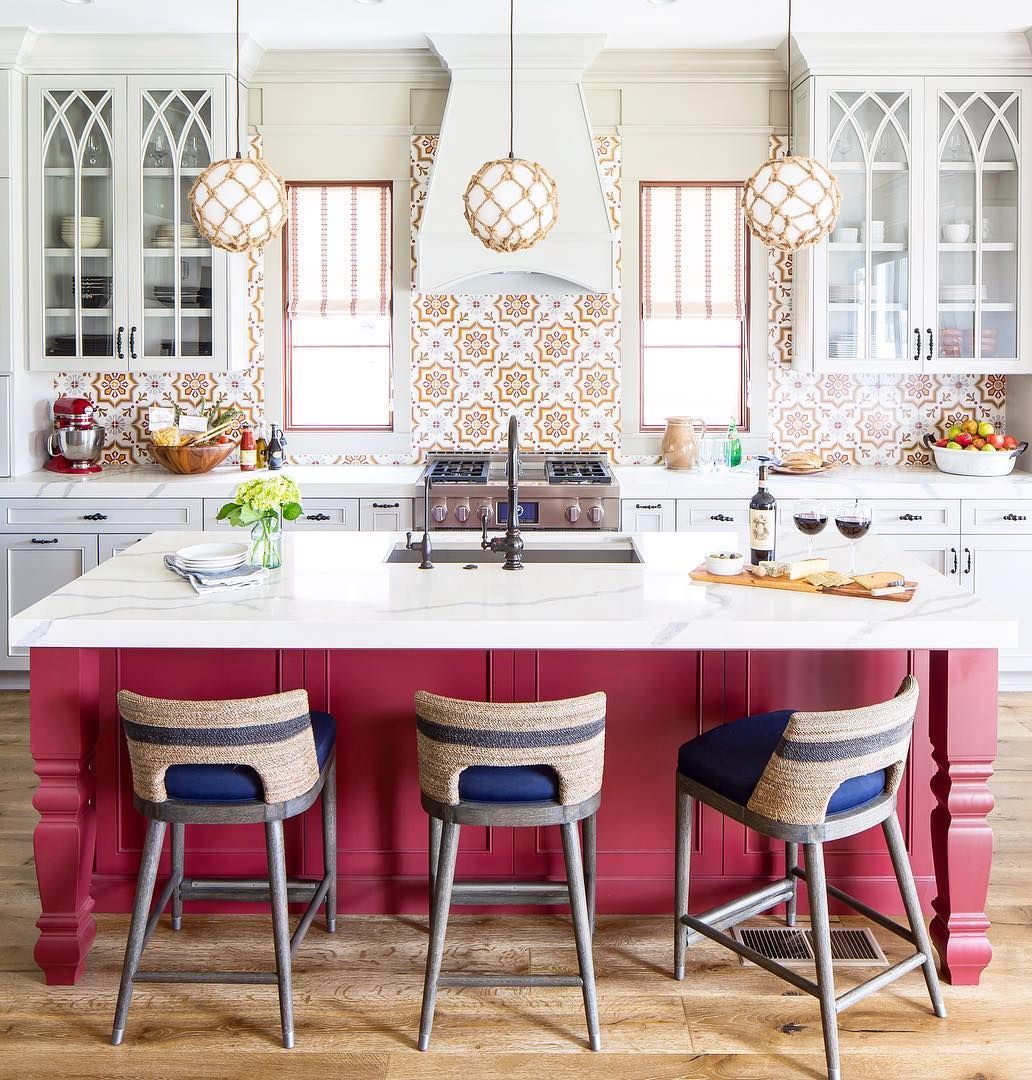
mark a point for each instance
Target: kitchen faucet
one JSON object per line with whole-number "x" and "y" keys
{"x": 512, "y": 542}
{"x": 423, "y": 546}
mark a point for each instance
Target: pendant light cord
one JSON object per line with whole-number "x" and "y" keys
{"x": 236, "y": 79}
{"x": 512, "y": 82}
{"x": 789, "y": 146}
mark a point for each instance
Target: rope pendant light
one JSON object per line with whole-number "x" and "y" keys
{"x": 793, "y": 201}
{"x": 238, "y": 204}
{"x": 511, "y": 203}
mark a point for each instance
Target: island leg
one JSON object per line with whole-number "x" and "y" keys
{"x": 62, "y": 737}
{"x": 963, "y": 705}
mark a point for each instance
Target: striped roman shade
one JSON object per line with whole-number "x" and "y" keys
{"x": 339, "y": 249}
{"x": 692, "y": 251}
{"x": 272, "y": 735}
{"x": 568, "y": 736}
{"x": 821, "y": 750}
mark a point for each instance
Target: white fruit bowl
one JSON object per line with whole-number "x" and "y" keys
{"x": 974, "y": 462}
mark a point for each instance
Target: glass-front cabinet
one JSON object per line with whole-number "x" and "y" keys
{"x": 930, "y": 257}
{"x": 119, "y": 278}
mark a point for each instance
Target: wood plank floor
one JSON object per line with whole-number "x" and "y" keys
{"x": 357, "y": 994}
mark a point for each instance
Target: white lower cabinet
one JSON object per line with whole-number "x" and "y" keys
{"x": 993, "y": 567}
{"x": 723, "y": 515}
{"x": 33, "y": 567}
{"x": 648, "y": 515}
{"x": 941, "y": 553}
{"x": 385, "y": 515}
{"x": 110, "y": 546}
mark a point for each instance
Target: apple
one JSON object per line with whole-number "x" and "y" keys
{"x": 985, "y": 428}
{"x": 1010, "y": 443}
{"x": 954, "y": 431}
{"x": 965, "y": 438}
{"x": 988, "y": 446}
{"x": 951, "y": 445}
{"x": 971, "y": 446}
{"x": 941, "y": 442}
{"x": 970, "y": 426}
{"x": 995, "y": 441}
{"x": 978, "y": 443}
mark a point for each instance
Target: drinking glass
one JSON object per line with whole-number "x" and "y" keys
{"x": 853, "y": 520}
{"x": 711, "y": 454}
{"x": 810, "y": 518}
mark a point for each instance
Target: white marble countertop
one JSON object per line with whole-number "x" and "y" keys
{"x": 636, "y": 482}
{"x": 337, "y": 591}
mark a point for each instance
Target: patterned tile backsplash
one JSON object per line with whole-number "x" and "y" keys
{"x": 556, "y": 360}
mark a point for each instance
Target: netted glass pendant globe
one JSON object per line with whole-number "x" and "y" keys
{"x": 791, "y": 202}
{"x": 511, "y": 204}
{"x": 239, "y": 204}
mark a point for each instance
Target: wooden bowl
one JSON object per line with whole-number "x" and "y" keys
{"x": 191, "y": 460}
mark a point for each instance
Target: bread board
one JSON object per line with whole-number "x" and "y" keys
{"x": 700, "y": 573}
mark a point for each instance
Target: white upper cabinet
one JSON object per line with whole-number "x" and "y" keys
{"x": 926, "y": 267}
{"x": 118, "y": 279}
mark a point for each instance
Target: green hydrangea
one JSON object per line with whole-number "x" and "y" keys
{"x": 263, "y": 497}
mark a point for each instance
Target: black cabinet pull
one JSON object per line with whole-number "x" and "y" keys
{"x": 721, "y": 517}
{"x": 956, "y": 561}
{"x": 317, "y": 517}
{"x": 967, "y": 565}
{"x": 910, "y": 517}
{"x": 132, "y": 344}
{"x": 94, "y": 517}
{"x": 36, "y": 540}
{"x": 118, "y": 343}
{"x": 917, "y": 344}
{"x": 931, "y": 343}
{"x": 386, "y": 506}
{"x": 648, "y": 506}
{"x": 1013, "y": 517}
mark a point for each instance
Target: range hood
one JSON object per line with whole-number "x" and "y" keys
{"x": 552, "y": 128}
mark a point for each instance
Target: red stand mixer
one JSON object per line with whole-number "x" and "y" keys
{"x": 77, "y": 442}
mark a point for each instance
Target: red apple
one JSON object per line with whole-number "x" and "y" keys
{"x": 1010, "y": 443}
{"x": 941, "y": 442}
{"x": 978, "y": 443}
{"x": 996, "y": 441}
{"x": 965, "y": 438}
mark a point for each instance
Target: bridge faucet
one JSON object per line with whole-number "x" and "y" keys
{"x": 512, "y": 542}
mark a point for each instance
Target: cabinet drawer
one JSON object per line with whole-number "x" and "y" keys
{"x": 892, "y": 517}
{"x": 385, "y": 515}
{"x": 1004, "y": 517}
{"x": 648, "y": 515}
{"x": 716, "y": 515}
{"x": 101, "y": 515}
{"x": 319, "y": 514}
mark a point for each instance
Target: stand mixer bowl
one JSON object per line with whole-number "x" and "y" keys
{"x": 82, "y": 447}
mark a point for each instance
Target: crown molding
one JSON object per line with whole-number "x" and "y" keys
{"x": 685, "y": 66}
{"x": 128, "y": 54}
{"x": 415, "y": 67}
{"x": 16, "y": 42}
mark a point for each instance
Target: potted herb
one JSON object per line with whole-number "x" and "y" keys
{"x": 262, "y": 504}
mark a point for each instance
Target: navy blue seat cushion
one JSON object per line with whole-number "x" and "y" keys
{"x": 238, "y": 783}
{"x": 730, "y": 760}
{"x": 508, "y": 783}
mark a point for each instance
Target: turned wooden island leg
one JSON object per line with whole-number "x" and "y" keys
{"x": 62, "y": 736}
{"x": 962, "y": 725}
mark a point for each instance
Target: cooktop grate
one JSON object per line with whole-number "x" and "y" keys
{"x": 460, "y": 470}
{"x": 577, "y": 471}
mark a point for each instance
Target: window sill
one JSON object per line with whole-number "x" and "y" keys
{"x": 649, "y": 444}
{"x": 395, "y": 444}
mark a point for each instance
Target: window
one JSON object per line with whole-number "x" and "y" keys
{"x": 337, "y": 318}
{"x": 694, "y": 304}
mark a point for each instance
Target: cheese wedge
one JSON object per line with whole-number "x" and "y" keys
{"x": 794, "y": 571}
{"x": 882, "y": 579}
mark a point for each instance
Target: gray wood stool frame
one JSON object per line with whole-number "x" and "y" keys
{"x": 689, "y": 929}
{"x": 578, "y": 891}
{"x": 277, "y": 889}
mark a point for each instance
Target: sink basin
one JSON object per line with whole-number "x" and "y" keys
{"x": 614, "y": 553}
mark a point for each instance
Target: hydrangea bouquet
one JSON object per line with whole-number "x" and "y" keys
{"x": 262, "y": 504}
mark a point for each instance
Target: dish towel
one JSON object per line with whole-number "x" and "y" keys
{"x": 219, "y": 580}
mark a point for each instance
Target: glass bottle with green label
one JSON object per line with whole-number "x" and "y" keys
{"x": 734, "y": 446}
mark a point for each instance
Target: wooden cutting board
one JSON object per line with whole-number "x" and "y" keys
{"x": 700, "y": 573}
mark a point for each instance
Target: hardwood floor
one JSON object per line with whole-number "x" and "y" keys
{"x": 357, "y": 994}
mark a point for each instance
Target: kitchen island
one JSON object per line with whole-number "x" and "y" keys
{"x": 362, "y": 633}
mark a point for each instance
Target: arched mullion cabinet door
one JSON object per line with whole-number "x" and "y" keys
{"x": 865, "y": 292}
{"x": 179, "y": 283}
{"x": 980, "y": 225}
{"x": 76, "y": 223}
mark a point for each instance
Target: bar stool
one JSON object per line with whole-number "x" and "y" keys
{"x": 228, "y": 763}
{"x": 805, "y": 778}
{"x": 523, "y": 765}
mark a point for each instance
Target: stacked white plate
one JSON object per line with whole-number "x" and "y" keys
{"x": 959, "y": 294}
{"x": 843, "y": 294}
{"x": 165, "y": 235}
{"x": 91, "y": 229}
{"x": 211, "y": 558}
{"x": 845, "y": 347}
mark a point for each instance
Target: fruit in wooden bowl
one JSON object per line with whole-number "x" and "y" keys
{"x": 191, "y": 460}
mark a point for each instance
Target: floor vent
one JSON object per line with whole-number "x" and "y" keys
{"x": 793, "y": 946}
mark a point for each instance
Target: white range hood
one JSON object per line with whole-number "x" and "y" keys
{"x": 552, "y": 128}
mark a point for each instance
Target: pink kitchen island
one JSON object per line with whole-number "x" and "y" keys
{"x": 362, "y": 634}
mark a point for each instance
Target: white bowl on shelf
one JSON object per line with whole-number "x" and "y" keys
{"x": 845, "y": 235}
{"x": 957, "y": 233}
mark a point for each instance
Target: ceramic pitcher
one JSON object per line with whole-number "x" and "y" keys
{"x": 681, "y": 442}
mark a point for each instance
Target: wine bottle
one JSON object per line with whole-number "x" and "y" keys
{"x": 275, "y": 448}
{"x": 762, "y": 522}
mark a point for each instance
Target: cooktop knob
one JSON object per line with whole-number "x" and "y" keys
{"x": 462, "y": 513}
{"x": 439, "y": 513}
{"x": 595, "y": 515}
{"x": 573, "y": 514}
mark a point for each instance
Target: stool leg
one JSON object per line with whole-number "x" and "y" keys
{"x": 816, "y": 888}
{"x": 443, "y": 880}
{"x": 434, "y": 855}
{"x": 581, "y": 929}
{"x": 329, "y": 833}
{"x": 682, "y": 860}
{"x": 791, "y": 862}
{"x": 178, "y": 845}
{"x": 280, "y": 927}
{"x": 588, "y": 827}
{"x": 912, "y": 906}
{"x": 138, "y": 924}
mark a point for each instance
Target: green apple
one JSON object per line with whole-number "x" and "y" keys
{"x": 988, "y": 446}
{"x": 985, "y": 429}
{"x": 951, "y": 445}
{"x": 954, "y": 431}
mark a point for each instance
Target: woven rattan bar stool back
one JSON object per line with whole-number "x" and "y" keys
{"x": 262, "y": 759}
{"x": 805, "y": 778}
{"x": 522, "y": 765}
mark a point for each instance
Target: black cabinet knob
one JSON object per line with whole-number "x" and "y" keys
{"x": 37, "y": 540}
{"x": 94, "y": 517}
{"x": 317, "y": 517}
{"x": 386, "y": 506}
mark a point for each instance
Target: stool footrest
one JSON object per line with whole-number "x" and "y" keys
{"x": 510, "y": 892}
{"x": 876, "y": 982}
{"x": 744, "y": 907}
{"x": 245, "y": 891}
{"x": 263, "y": 978}
{"x": 456, "y": 981}
{"x": 866, "y": 910}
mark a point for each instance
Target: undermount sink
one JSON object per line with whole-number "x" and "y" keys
{"x": 617, "y": 552}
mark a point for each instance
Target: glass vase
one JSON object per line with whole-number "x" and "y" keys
{"x": 267, "y": 542}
